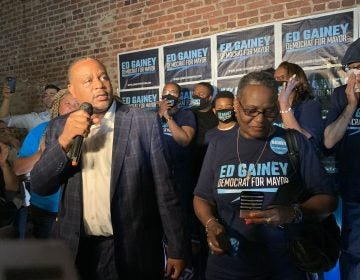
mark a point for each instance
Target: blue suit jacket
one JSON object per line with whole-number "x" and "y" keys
{"x": 144, "y": 205}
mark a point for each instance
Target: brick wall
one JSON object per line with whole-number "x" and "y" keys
{"x": 40, "y": 38}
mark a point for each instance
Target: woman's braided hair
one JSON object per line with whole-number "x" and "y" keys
{"x": 56, "y": 102}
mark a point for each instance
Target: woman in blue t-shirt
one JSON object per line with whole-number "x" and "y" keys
{"x": 298, "y": 108}
{"x": 253, "y": 164}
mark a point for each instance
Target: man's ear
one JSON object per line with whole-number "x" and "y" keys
{"x": 70, "y": 89}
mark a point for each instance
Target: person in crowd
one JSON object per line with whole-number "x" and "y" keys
{"x": 342, "y": 135}
{"x": 28, "y": 121}
{"x": 179, "y": 128}
{"x": 253, "y": 245}
{"x": 43, "y": 209}
{"x": 119, "y": 201}
{"x": 205, "y": 120}
{"x": 298, "y": 108}
{"x": 223, "y": 108}
{"x": 9, "y": 184}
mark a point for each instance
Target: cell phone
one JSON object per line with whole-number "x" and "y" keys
{"x": 11, "y": 81}
{"x": 250, "y": 201}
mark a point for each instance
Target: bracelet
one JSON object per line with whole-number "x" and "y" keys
{"x": 168, "y": 119}
{"x": 208, "y": 221}
{"x": 298, "y": 214}
{"x": 285, "y": 111}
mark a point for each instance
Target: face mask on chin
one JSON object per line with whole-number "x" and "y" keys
{"x": 225, "y": 115}
{"x": 199, "y": 103}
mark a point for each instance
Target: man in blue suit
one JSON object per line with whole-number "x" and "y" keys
{"x": 119, "y": 202}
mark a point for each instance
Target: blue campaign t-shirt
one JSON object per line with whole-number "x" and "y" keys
{"x": 29, "y": 147}
{"x": 215, "y": 133}
{"x": 308, "y": 115}
{"x": 177, "y": 152}
{"x": 224, "y": 177}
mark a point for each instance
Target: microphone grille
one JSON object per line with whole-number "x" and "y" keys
{"x": 87, "y": 107}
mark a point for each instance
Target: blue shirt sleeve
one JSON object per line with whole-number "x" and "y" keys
{"x": 32, "y": 141}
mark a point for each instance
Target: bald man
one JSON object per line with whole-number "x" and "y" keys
{"x": 119, "y": 202}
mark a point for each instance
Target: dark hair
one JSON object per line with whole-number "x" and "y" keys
{"x": 303, "y": 89}
{"x": 258, "y": 78}
{"x": 223, "y": 94}
{"x": 208, "y": 85}
{"x": 51, "y": 87}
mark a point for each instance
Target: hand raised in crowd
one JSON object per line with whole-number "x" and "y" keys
{"x": 174, "y": 267}
{"x": 164, "y": 107}
{"x": 6, "y": 92}
{"x": 351, "y": 95}
{"x": 286, "y": 90}
{"x": 4, "y": 153}
{"x": 275, "y": 215}
{"x": 217, "y": 238}
{"x": 78, "y": 123}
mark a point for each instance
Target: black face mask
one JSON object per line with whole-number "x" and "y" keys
{"x": 198, "y": 102}
{"x": 171, "y": 100}
{"x": 225, "y": 115}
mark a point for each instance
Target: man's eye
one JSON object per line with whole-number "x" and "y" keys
{"x": 104, "y": 78}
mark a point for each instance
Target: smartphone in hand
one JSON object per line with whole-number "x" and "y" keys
{"x": 250, "y": 201}
{"x": 11, "y": 82}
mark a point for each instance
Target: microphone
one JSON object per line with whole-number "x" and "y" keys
{"x": 75, "y": 150}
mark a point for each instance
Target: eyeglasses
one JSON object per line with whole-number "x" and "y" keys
{"x": 281, "y": 78}
{"x": 347, "y": 68}
{"x": 267, "y": 113}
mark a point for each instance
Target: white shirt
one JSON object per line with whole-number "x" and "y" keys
{"x": 96, "y": 174}
{"x": 28, "y": 121}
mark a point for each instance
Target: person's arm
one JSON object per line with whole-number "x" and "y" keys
{"x": 335, "y": 131}
{"x": 10, "y": 179}
{"x": 286, "y": 112}
{"x": 205, "y": 211}
{"x": 181, "y": 134}
{"x": 24, "y": 165}
{"x": 5, "y": 105}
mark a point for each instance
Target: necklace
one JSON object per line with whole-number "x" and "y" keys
{"x": 248, "y": 175}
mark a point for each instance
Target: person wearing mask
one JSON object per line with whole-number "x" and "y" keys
{"x": 178, "y": 129}
{"x": 253, "y": 244}
{"x": 43, "y": 209}
{"x": 342, "y": 136}
{"x": 119, "y": 201}
{"x": 28, "y": 121}
{"x": 205, "y": 120}
{"x": 298, "y": 108}
{"x": 223, "y": 108}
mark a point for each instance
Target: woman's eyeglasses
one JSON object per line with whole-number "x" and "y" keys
{"x": 267, "y": 113}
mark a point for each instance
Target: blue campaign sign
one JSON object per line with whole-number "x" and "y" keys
{"x": 318, "y": 41}
{"x": 145, "y": 99}
{"x": 245, "y": 51}
{"x": 139, "y": 69}
{"x": 186, "y": 62}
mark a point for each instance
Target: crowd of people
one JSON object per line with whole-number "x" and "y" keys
{"x": 160, "y": 195}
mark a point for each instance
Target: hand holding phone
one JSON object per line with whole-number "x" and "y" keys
{"x": 250, "y": 201}
{"x": 11, "y": 82}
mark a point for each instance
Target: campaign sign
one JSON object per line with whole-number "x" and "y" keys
{"x": 145, "y": 99}
{"x": 318, "y": 41}
{"x": 190, "y": 61}
{"x": 245, "y": 51}
{"x": 139, "y": 69}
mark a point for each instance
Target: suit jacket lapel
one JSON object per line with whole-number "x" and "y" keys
{"x": 121, "y": 134}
